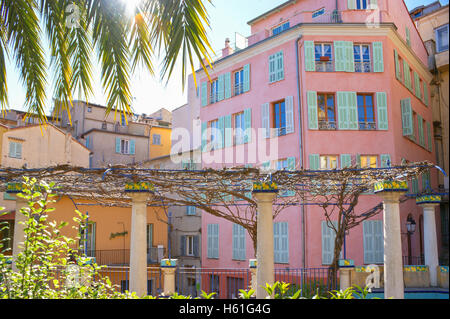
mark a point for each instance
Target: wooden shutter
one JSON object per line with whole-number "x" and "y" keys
{"x": 132, "y": 147}
{"x": 353, "y": 123}
{"x": 228, "y": 131}
{"x": 272, "y": 68}
{"x": 221, "y": 133}
{"x": 339, "y": 55}
{"x": 249, "y": 193}
{"x": 289, "y": 104}
{"x": 310, "y": 63}
{"x": 204, "y": 93}
{"x": 408, "y": 36}
{"x": 382, "y": 111}
{"x": 417, "y": 85}
{"x": 385, "y": 158}
{"x": 183, "y": 246}
{"x": 368, "y": 239}
{"x": 248, "y": 125}
{"x": 421, "y": 130}
{"x": 425, "y": 93}
{"x": 280, "y": 66}
{"x": 349, "y": 57}
{"x": 342, "y": 106}
{"x": 18, "y": 150}
{"x": 313, "y": 123}
{"x": 196, "y": 242}
{"x": 328, "y": 236}
{"x": 430, "y": 138}
{"x": 265, "y": 117}
{"x": 209, "y": 236}
{"x": 378, "y": 241}
{"x": 220, "y": 87}
{"x": 407, "y": 75}
{"x": 284, "y": 242}
{"x": 407, "y": 117}
{"x": 397, "y": 66}
{"x": 213, "y": 240}
{"x": 117, "y": 144}
{"x": 238, "y": 239}
{"x": 204, "y": 136}
{"x": 276, "y": 243}
{"x": 426, "y": 182}
{"x": 246, "y": 84}
{"x": 378, "y": 63}
{"x": 227, "y": 80}
{"x": 346, "y": 160}
{"x": 314, "y": 161}
{"x": 235, "y": 241}
{"x": 291, "y": 163}
{"x": 351, "y": 4}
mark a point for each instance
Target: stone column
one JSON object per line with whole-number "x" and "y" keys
{"x": 428, "y": 203}
{"x": 391, "y": 192}
{"x": 19, "y": 220}
{"x": 264, "y": 245}
{"x": 252, "y": 265}
{"x": 345, "y": 269}
{"x": 168, "y": 267}
{"x": 140, "y": 194}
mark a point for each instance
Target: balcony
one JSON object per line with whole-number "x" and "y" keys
{"x": 325, "y": 125}
{"x": 121, "y": 257}
{"x": 367, "y": 126}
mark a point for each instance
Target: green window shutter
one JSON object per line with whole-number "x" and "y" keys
{"x": 352, "y": 111}
{"x": 408, "y": 36}
{"x": 373, "y": 4}
{"x": 246, "y": 84}
{"x": 378, "y": 63}
{"x": 213, "y": 241}
{"x": 18, "y": 150}
{"x": 204, "y": 136}
{"x": 265, "y": 118}
{"x": 407, "y": 117}
{"x": 228, "y": 131}
{"x": 351, "y": 4}
{"x": 248, "y": 125}
{"x": 313, "y": 123}
{"x": 379, "y": 241}
{"x": 426, "y": 182}
{"x": 204, "y": 93}
{"x": 328, "y": 236}
{"x": 417, "y": 85}
{"x": 343, "y": 110}
{"x": 117, "y": 144}
{"x": 289, "y": 105}
{"x": 397, "y": 66}
{"x": 314, "y": 162}
{"x": 248, "y": 194}
{"x": 235, "y": 241}
{"x": 421, "y": 130}
{"x": 221, "y": 128}
{"x": 349, "y": 57}
{"x": 358, "y": 160}
{"x": 279, "y": 66}
{"x": 340, "y": 56}
{"x": 407, "y": 75}
{"x": 368, "y": 244}
{"x": 346, "y": 160}
{"x": 291, "y": 163}
{"x": 132, "y": 147}
{"x": 414, "y": 185}
{"x": 382, "y": 111}
{"x": 430, "y": 138}
{"x": 272, "y": 68}
{"x": 425, "y": 93}
{"x": 385, "y": 158}
{"x": 276, "y": 242}
{"x": 281, "y": 242}
{"x": 265, "y": 165}
{"x": 310, "y": 63}
{"x": 227, "y": 80}
{"x": 221, "y": 87}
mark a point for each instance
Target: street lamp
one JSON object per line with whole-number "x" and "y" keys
{"x": 411, "y": 228}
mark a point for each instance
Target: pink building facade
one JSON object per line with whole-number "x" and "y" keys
{"x": 336, "y": 87}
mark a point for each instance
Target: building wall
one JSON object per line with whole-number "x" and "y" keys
{"x": 163, "y": 148}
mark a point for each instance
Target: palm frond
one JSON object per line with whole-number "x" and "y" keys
{"x": 3, "y": 54}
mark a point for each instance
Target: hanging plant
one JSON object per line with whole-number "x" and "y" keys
{"x": 114, "y": 235}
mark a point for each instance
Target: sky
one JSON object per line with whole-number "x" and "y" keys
{"x": 150, "y": 94}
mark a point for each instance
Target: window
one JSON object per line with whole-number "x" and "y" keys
{"x": 282, "y": 164}
{"x": 239, "y": 82}
{"x": 276, "y": 67}
{"x": 280, "y": 28}
{"x": 366, "y": 113}
{"x": 156, "y": 139}
{"x": 124, "y": 147}
{"x": 362, "y": 57}
{"x": 149, "y": 234}
{"x": 373, "y": 241}
{"x": 239, "y": 128}
{"x": 328, "y": 162}
{"x": 361, "y": 4}
{"x": 368, "y": 161}
{"x": 214, "y": 91}
{"x": 104, "y": 126}
{"x": 7, "y": 234}
{"x": 189, "y": 245}
{"x": 323, "y": 57}
{"x": 123, "y": 120}
{"x": 279, "y": 111}
{"x": 191, "y": 210}
{"x": 87, "y": 239}
{"x": 89, "y": 109}
{"x": 326, "y": 111}
{"x": 214, "y": 134}
{"x": 238, "y": 239}
{"x": 15, "y": 149}
{"x": 318, "y": 13}
{"x": 442, "y": 38}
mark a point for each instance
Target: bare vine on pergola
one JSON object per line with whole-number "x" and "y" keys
{"x": 225, "y": 193}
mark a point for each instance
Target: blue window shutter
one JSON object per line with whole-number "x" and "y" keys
{"x": 382, "y": 111}
{"x": 310, "y": 63}
{"x": 117, "y": 144}
{"x": 265, "y": 118}
{"x": 227, "y": 79}
{"x": 204, "y": 93}
{"x": 221, "y": 87}
{"x": 279, "y": 66}
{"x": 407, "y": 117}
{"x": 248, "y": 125}
{"x": 228, "y": 131}
{"x": 328, "y": 236}
{"x": 216, "y": 240}
{"x": 368, "y": 236}
{"x": 289, "y": 104}
{"x": 284, "y": 244}
{"x": 183, "y": 246}
{"x": 87, "y": 141}
{"x": 246, "y": 84}
{"x": 379, "y": 241}
{"x": 209, "y": 234}
{"x": 346, "y": 160}
{"x": 204, "y": 136}
{"x": 313, "y": 122}
{"x": 378, "y": 63}
{"x": 221, "y": 126}
{"x": 132, "y": 147}
{"x": 314, "y": 161}
{"x": 235, "y": 241}
{"x": 385, "y": 158}
{"x": 291, "y": 163}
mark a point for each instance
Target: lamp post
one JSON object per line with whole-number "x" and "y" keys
{"x": 410, "y": 228}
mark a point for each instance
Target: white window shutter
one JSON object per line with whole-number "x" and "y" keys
{"x": 265, "y": 116}
{"x": 289, "y": 114}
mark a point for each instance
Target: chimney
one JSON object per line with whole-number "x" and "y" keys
{"x": 227, "y": 50}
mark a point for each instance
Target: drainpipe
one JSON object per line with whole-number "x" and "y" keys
{"x": 300, "y": 142}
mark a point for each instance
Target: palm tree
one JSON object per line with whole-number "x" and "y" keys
{"x": 123, "y": 42}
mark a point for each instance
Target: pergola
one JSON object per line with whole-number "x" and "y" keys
{"x": 235, "y": 194}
